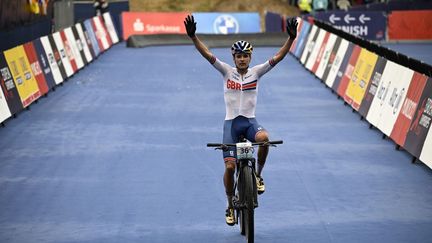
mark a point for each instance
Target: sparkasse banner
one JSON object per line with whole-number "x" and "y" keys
{"x": 145, "y": 23}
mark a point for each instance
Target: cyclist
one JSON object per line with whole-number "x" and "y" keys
{"x": 240, "y": 94}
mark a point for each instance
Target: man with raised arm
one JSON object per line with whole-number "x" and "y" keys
{"x": 240, "y": 94}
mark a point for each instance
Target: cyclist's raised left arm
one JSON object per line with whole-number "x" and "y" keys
{"x": 292, "y": 32}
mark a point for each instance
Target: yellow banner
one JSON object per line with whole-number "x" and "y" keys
{"x": 360, "y": 77}
{"x": 25, "y": 82}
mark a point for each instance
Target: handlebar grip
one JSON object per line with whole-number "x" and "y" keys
{"x": 276, "y": 142}
{"x": 214, "y": 145}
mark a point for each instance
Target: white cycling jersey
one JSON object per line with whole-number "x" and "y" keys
{"x": 240, "y": 91}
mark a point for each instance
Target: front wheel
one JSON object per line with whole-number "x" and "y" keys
{"x": 242, "y": 222}
{"x": 249, "y": 197}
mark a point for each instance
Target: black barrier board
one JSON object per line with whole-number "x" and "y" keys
{"x": 372, "y": 86}
{"x": 7, "y": 84}
{"x": 43, "y": 61}
{"x": 343, "y": 66}
{"x": 57, "y": 57}
{"x": 332, "y": 58}
{"x": 79, "y": 44}
{"x": 421, "y": 122}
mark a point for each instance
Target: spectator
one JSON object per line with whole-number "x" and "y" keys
{"x": 304, "y": 6}
{"x": 320, "y": 5}
{"x": 343, "y": 4}
{"x": 101, "y": 7}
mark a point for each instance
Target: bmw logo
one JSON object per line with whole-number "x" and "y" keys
{"x": 225, "y": 24}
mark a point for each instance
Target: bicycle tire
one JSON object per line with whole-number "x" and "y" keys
{"x": 242, "y": 222}
{"x": 249, "y": 208}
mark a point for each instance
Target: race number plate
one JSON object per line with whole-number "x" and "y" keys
{"x": 244, "y": 150}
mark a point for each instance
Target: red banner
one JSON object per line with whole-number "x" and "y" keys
{"x": 409, "y": 107}
{"x": 35, "y": 67}
{"x": 144, "y": 23}
{"x": 410, "y": 25}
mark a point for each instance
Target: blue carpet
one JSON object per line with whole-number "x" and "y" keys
{"x": 118, "y": 155}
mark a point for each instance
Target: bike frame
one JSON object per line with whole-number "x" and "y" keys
{"x": 246, "y": 199}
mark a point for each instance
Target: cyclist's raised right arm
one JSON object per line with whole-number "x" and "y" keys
{"x": 202, "y": 48}
{"x": 190, "y": 26}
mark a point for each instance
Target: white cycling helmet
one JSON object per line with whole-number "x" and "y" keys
{"x": 241, "y": 46}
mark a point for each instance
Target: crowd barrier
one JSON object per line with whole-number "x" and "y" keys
{"x": 31, "y": 70}
{"x": 85, "y": 10}
{"x": 390, "y": 92}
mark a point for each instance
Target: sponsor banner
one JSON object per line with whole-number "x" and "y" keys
{"x": 79, "y": 45}
{"x": 8, "y": 87}
{"x": 105, "y": 30}
{"x": 101, "y": 34}
{"x": 409, "y": 108}
{"x": 97, "y": 34}
{"x": 370, "y": 25}
{"x": 343, "y": 63}
{"x": 91, "y": 36}
{"x": 86, "y": 43}
{"x": 74, "y": 50}
{"x": 360, "y": 78}
{"x": 58, "y": 42}
{"x": 227, "y": 23}
{"x": 332, "y": 58}
{"x": 421, "y": 122}
{"x": 418, "y": 22}
{"x": 394, "y": 100}
{"x": 426, "y": 153}
{"x": 21, "y": 72}
{"x": 389, "y": 75}
{"x": 321, "y": 52}
{"x": 110, "y": 27}
{"x": 68, "y": 51}
{"x": 373, "y": 86}
{"x": 146, "y": 23}
{"x": 301, "y": 39}
{"x": 44, "y": 63}
{"x": 309, "y": 44}
{"x": 4, "y": 109}
{"x": 340, "y": 62}
{"x": 315, "y": 50}
{"x": 343, "y": 84}
{"x": 36, "y": 67}
{"x": 326, "y": 56}
{"x": 51, "y": 53}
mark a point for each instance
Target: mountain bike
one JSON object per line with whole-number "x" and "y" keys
{"x": 246, "y": 197}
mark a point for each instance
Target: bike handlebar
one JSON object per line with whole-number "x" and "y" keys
{"x": 253, "y": 144}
